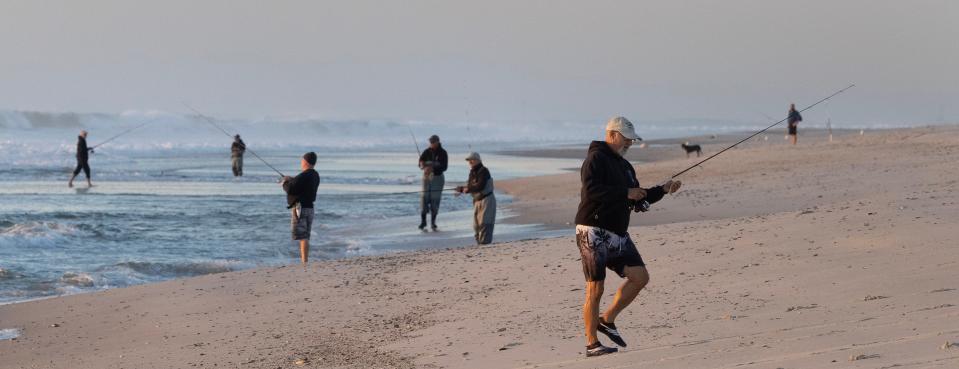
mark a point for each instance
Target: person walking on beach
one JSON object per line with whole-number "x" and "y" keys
{"x": 433, "y": 162}
{"x": 236, "y": 154}
{"x": 300, "y": 195}
{"x": 609, "y": 192}
{"x": 83, "y": 155}
{"x": 480, "y": 186}
{"x": 793, "y": 122}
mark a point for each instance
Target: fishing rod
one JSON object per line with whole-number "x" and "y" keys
{"x": 758, "y": 132}
{"x": 418, "y": 152}
{"x": 469, "y": 145}
{"x": 118, "y": 135}
{"x": 210, "y": 120}
{"x": 412, "y": 192}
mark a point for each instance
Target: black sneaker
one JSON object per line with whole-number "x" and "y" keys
{"x": 609, "y": 329}
{"x": 435, "y": 228}
{"x": 597, "y": 349}
{"x": 422, "y": 227}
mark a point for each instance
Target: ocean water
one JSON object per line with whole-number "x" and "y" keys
{"x": 165, "y": 204}
{"x": 159, "y": 213}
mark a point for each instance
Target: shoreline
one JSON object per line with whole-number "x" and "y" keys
{"x": 766, "y": 258}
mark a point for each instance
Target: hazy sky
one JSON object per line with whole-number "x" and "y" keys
{"x": 503, "y": 61}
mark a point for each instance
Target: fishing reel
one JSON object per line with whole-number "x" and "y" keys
{"x": 637, "y": 206}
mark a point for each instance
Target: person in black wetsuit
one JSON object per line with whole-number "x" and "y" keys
{"x": 793, "y": 122}
{"x": 300, "y": 195}
{"x": 83, "y": 155}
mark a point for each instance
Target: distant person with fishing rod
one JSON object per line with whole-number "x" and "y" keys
{"x": 433, "y": 162}
{"x": 236, "y": 154}
{"x": 793, "y": 123}
{"x": 83, "y": 156}
{"x": 83, "y": 152}
{"x": 609, "y": 193}
{"x": 300, "y": 196}
{"x": 480, "y": 186}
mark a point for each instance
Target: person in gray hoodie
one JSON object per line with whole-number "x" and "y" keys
{"x": 480, "y": 186}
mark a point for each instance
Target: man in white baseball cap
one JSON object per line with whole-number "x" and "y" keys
{"x": 624, "y": 127}
{"x": 610, "y": 192}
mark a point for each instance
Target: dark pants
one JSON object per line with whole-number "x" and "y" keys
{"x": 82, "y": 165}
{"x": 237, "y": 166}
{"x": 430, "y": 200}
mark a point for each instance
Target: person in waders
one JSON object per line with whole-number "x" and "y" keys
{"x": 793, "y": 123}
{"x": 480, "y": 186}
{"x": 236, "y": 154}
{"x": 300, "y": 195}
{"x": 433, "y": 162}
{"x": 609, "y": 193}
{"x": 83, "y": 155}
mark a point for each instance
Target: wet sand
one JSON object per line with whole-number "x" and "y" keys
{"x": 837, "y": 254}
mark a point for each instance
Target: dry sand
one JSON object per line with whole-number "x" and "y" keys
{"x": 821, "y": 255}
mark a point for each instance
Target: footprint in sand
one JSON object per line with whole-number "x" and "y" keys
{"x": 862, "y": 357}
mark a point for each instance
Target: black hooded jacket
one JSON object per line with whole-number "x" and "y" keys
{"x": 237, "y": 148}
{"x": 794, "y": 118}
{"x": 438, "y": 157}
{"x": 302, "y": 189}
{"x": 606, "y": 178}
{"x": 82, "y": 150}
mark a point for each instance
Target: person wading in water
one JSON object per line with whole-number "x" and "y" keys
{"x": 236, "y": 154}
{"x": 83, "y": 155}
{"x": 433, "y": 162}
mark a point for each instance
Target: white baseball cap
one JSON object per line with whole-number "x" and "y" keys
{"x": 474, "y": 156}
{"x": 624, "y": 127}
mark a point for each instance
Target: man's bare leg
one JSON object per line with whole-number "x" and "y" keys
{"x": 794, "y": 138}
{"x": 70, "y": 183}
{"x": 594, "y": 293}
{"x": 636, "y": 278}
{"x": 304, "y": 251}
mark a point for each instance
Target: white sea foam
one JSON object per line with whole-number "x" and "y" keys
{"x": 9, "y": 333}
{"x": 77, "y": 279}
{"x": 38, "y": 230}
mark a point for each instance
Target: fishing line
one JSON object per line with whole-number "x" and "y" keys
{"x": 210, "y": 120}
{"x": 118, "y": 135}
{"x": 758, "y": 132}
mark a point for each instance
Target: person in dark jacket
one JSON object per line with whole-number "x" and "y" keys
{"x": 793, "y": 122}
{"x": 480, "y": 185}
{"x": 236, "y": 154}
{"x": 83, "y": 155}
{"x": 433, "y": 162}
{"x": 300, "y": 195}
{"x": 609, "y": 193}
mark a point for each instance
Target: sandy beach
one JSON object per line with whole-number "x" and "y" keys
{"x": 821, "y": 255}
